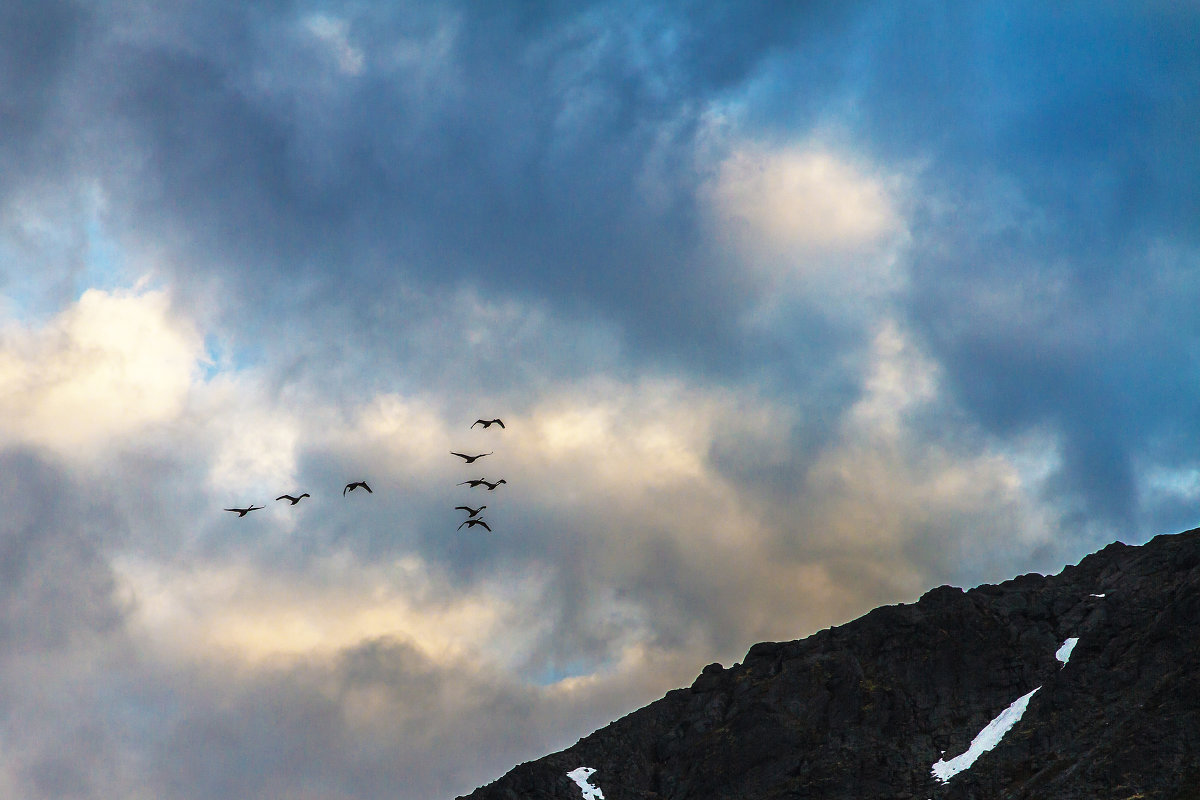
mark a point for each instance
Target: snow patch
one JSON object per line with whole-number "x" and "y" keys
{"x": 580, "y": 776}
{"x": 1064, "y": 652}
{"x": 987, "y": 738}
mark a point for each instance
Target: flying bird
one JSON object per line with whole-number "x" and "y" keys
{"x": 241, "y": 512}
{"x": 471, "y": 512}
{"x": 471, "y": 523}
{"x": 487, "y": 423}
{"x": 293, "y": 499}
{"x": 350, "y": 487}
{"x": 470, "y": 459}
{"x": 482, "y": 482}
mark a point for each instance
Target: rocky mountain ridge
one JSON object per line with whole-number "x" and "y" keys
{"x": 1104, "y": 657}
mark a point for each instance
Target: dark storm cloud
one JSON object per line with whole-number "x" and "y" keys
{"x": 506, "y": 147}
{"x": 375, "y": 720}
{"x": 39, "y": 45}
{"x": 60, "y": 613}
{"x": 1054, "y": 237}
{"x": 56, "y": 589}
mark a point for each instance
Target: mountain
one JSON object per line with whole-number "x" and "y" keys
{"x": 1084, "y": 685}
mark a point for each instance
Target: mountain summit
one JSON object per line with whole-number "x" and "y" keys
{"x": 1080, "y": 686}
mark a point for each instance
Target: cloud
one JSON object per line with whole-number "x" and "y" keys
{"x": 802, "y": 199}
{"x": 103, "y": 369}
{"x": 789, "y": 313}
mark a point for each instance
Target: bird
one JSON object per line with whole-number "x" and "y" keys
{"x": 471, "y": 512}
{"x": 492, "y": 486}
{"x": 241, "y": 512}
{"x": 487, "y": 423}
{"x": 471, "y": 523}
{"x": 470, "y": 459}
{"x": 293, "y": 499}
{"x": 350, "y": 487}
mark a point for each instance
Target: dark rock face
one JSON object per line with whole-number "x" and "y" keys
{"x": 863, "y": 711}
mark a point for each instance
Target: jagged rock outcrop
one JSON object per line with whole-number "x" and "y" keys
{"x": 864, "y": 710}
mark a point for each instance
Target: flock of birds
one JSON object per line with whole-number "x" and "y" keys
{"x": 473, "y": 517}
{"x": 473, "y": 514}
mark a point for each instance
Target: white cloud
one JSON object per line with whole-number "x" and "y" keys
{"x": 807, "y": 221}
{"x": 805, "y": 198}
{"x": 237, "y": 610}
{"x": 108, "y": 366}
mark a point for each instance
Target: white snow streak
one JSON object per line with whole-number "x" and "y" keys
{"x": 1064, "y": 652}
{"x": 987, "y": 738}
{"x": 580, "y": 776}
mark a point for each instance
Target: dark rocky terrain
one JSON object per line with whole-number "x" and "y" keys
{"x": 865, "y": 709}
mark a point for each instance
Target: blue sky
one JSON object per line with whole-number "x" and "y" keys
{"x": 789, "y": 313}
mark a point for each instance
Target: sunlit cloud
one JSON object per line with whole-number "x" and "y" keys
{"x": 108, "y": 366}
{"x": 803, "y": 198}
{"x": 244, "y": 613}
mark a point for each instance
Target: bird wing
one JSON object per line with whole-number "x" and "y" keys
{"x": 349, "y": 486}
{"x": 499, "y": 422}
{"x": 286, "y": 497}
{"x": 481, "y": 522}
{"x": 368, "y": 488}
{"x": 461, "y": 455}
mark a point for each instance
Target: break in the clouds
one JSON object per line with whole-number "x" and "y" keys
{"x": 789, "y": 313}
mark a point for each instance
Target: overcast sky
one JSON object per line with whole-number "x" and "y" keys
{"x": 788, "y": 313}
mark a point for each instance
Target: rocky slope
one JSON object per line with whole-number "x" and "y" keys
{"x": 866, "y": 709}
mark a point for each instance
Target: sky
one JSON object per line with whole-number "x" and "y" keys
{"x": 790, "y": 310}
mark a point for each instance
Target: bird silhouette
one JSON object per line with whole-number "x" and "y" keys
{"x": 350, "y": 487}
{"x": 293, "y": 499}
{"x": 487, "y": 423}
{"x": 470, "y": 459}
{"x": 492, "y": 486}
{"x": 471, "y": 523}
{"x": 471, "y": 512}
{"x": 241, "y": 512}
